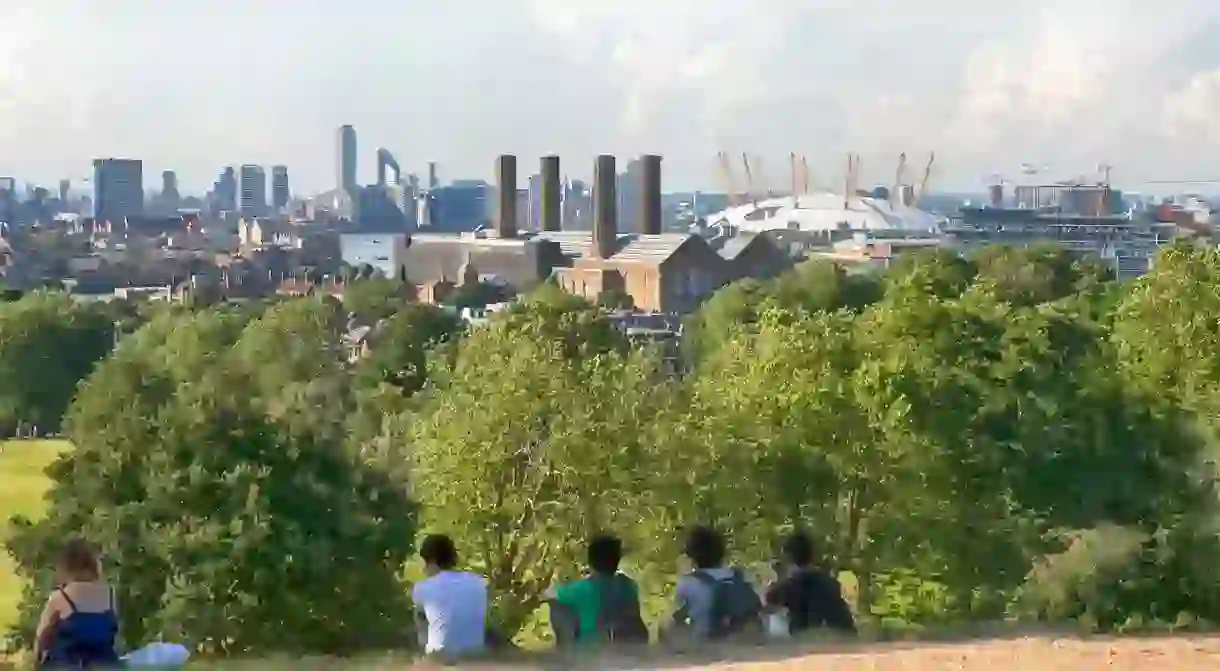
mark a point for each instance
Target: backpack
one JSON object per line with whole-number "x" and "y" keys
{"x": 618, "y": 618}
{"x": 735, "y": 605}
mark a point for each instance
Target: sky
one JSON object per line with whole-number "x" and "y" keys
{"x": 192, "y": 85}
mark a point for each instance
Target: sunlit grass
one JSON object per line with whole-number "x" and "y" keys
{"x": 22, "y": 472}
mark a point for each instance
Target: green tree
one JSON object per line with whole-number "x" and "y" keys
{"x": 400, "y": 347}
{"x": 534, "y": 440}
{"x": 1038, "y": 274}
{"x": 478, "y": 295}
{"x": 231, "y": 512}
{"x": 371, "y": 299}
{"x": 47, "y": 345}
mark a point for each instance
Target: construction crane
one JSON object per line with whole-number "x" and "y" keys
{"x": 745, "y": 161}
{"x": 792, "y": 173}
{"x": 927, "y": 176}
{"x": 849, "y": 187}
{"x": 804, "y": 175}
{"x": 896, "y": 192}
{"x": 730, "y": 183}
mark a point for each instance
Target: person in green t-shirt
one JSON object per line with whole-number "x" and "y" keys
{"x": 605, "y": 606}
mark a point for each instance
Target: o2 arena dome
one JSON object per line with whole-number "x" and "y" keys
{"x": 823, "y": 213}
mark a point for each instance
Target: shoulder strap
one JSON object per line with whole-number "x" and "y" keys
{"x": 71, "y": 604}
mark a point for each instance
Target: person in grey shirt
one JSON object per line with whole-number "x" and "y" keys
{"x": 713, "y": 600}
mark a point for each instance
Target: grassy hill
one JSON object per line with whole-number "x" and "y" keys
{"x": 22, "y": 466}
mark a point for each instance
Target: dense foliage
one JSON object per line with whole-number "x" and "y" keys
{"x": 1013, "y": 435}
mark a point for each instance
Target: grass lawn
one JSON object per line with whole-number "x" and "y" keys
{"x": 21, "y": 470}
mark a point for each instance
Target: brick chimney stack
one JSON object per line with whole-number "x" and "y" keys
{"x": 605, "y": 206}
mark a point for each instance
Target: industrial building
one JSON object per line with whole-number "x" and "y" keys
{"x": 657, "y": 272}
{"x": 1086, "y": 218}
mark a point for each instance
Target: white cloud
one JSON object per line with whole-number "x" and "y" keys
{"x": 984, "y": 83}
{"x": 1192, "y": 114}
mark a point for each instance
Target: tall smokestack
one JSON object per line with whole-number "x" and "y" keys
{"x": 506, "y": 195}
{"x": 552, "y": 194}
{"x": 650, "y": 195}
{"x": 605, "y": 206}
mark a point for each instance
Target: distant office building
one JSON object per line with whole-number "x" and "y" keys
{"x": 223, "y": 197}
{"x": 433, "y": 180}
{"x": 8, "y": 200}
{"x": 346, "y": 168}
{"x": 464, "y": 205}
{"x": 253, "y": 191}
{"x": 65, "y": 189}
{"x": 577, "y": 206}
{"x": 381, "y": 251}
{"x": 118, "y": 189}
{"x": 533, "y": 210}
{"x": 630, "y": 186}
{"x": 169, "y": 189}
{"x": 279, "y": 188}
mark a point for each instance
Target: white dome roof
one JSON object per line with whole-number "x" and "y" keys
{"x": 824, "y": 211}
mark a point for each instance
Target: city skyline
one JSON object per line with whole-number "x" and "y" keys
{"x": 987, "y": 87}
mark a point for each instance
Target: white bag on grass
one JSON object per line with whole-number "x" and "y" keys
{"x": 159, "y": 654}
{"x": 777, "y": 625}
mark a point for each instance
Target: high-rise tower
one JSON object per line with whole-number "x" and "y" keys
{"x": 118, "y": 189}
{"x": 253, "y": 184}
{"x": 279, "y": 187}
{"x": 347, "y": 159}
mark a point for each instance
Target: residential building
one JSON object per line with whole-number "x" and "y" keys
{"x": 118, "y": 189}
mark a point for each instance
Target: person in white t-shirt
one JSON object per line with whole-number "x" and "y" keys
{"x": 450, "y": 605}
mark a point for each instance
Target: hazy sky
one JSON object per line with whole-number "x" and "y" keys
{"x": 195, "y": 84}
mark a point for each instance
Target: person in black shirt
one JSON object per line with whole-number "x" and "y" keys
{"x": 811, "y": 597}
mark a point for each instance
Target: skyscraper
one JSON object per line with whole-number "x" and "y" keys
{"x": 347, "y": 159}
{"x": 279, "y": 188}
{"x": 224, "y": 192}
{"x": 169, "y": 190}
{"x": 253, "y": 191}
{"x": 118, "y": 189}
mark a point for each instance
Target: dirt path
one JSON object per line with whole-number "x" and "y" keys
{"x": 1177, "y": 653}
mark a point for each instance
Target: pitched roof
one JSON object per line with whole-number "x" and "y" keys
{"x": 629, "y": 247}
{"x": 733, "y": 247}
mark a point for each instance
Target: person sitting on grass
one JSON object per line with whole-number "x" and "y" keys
{"x": 714, "y": 601}
{"x": 807, "y": 596}
{"x": 80, "y": 622}
{"x": 604, "y": 606}
{"x": 450, "y": 605}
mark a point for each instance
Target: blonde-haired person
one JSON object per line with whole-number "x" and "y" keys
{"x": 80, "y": 622}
